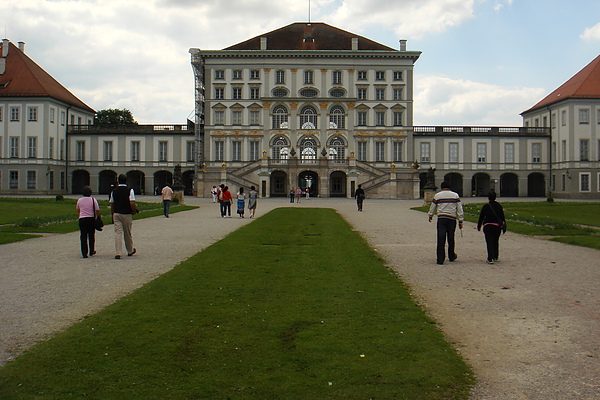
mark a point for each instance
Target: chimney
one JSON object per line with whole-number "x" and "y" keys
{"x": 5, "y": 43}
{"x": 22, "y": 46}
{"x": 354, "y": 43}
{"x": 263, "y": 43}
{"x": 2, "y": 65}
{"x": 402, "y": 44}
{"x": 308, "y": 43}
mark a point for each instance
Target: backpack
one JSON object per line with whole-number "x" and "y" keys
{"x": 220, "y": 195}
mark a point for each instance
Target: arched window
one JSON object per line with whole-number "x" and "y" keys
{"x": 281, "y": 148}
{"x": 337, "y": 148}
{"x": 308, "y": 149}
{"x": 308, "y": 118}
{"x": 337, "y": 116}
{"x": 280, "y": 118}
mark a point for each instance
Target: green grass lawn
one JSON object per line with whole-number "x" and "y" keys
{"x": 22, "y": 218}
{"x": 559, "y": 221}
{"x": 294, "y": 305}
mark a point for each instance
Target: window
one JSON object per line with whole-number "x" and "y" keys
{"x": 63, "y": 118}
{"x": 135, "y": 151}
{"x": 481, "y": 152}
{"x": 362, "y": 151}
{"x": 32, "y": 114}
{"x": 80, "y": 150}
{"x": 51, "y": 115}
{"x": 236, "y": 93}
{"x": 51, "y": 180}
{"x": 563, "y": 150}
{"x": 31, "y": 177}
{"x": 254, "y": 93}
{"x": 15, "y": 114}
{"x": 108, "y": 150}
{"x": 379, "y": 93}
{"x": 14, "y": 146}
{"x": 51, "y": 148}
{"x": 337, "y": 118}
{"x": 337, "y": 77}
{"x": 2, "y": 113}
{"x": 397, "y": 75}
{"x": 254, "y": 74}
{"x": 563, "y": 118}
{"x": 62, "y": 149}
{"x": 584, "y": 150}
{"x": 219, "y": 117}
{"x": 236, "y": 150}
{"x": 13, "y": 180}
{"x": 31, "y": 147}
{"x": 280, "y": 77}
{"x": 254, "y": 117}
{"x": 162, "y": 150}
{"x": 425, "y": 151}
{"x": 509, "y": 153}
{"x": 380, "y": 118}
{"x": 190, "y": 150}
{"x": 584, "y": 116}
{"x": 584, "y": 182}
{"x": 380, "y": 75}
{"x": 563, "y": 180}
{"x": 219, "y": 151}
{"x": 253, "y": 151}
{"x": 237, "y": 74}
{"x": 337, "y": 92}
{"x": 308, "y": 77}
{"x": 219, "y": 74}
{"x": 236, "y": 117}
{"x": 280, "y": 118}
{"x": 280, "y": 92}
{"x": 453, "y": 152}
{"x": 536, "y": 152}
{"x": 398, "y": 150}
{"x": 308, "y": 118}
{"x": 361, "y": 93}
{"x": 379, "y": 151}
{"x": 362, "y": 75}
{"x": 280, "y": 148}
{"x": 309, "y": 92}
{"x": 219, "y": 93}
{"x": 398, "y": 118}
{"x": 553, "y": 120}
{"x": 337, "y": 148}
{"x": 361, "y": 117}
{"x": 397, "y": 93}
{"x": 308, "y": 149}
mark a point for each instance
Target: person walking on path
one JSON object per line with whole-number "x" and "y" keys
{"x": 292, "y": 195}
{"x": 214, "y": 192}
{"x": 493, "y": 221}
{"x": 241, "y": 202}
{"x": 167, "y": 196}
{"x": 226, "y": 202}
{"x": 252, "y": 198}
{"x": 88, "y": 209}
{"x": 220, "y": 191}
{"x": 298, "y": 195}
{"x": 123, "y": 208}
{"x": 449, "y": 210}
{"x": 359, "y": 195}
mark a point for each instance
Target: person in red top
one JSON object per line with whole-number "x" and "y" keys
{"x": 226, "y": 202}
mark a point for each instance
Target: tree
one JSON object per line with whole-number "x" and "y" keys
{"x": 114, "y": 116}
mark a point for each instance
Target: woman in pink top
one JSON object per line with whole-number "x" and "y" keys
{"x": 88, "y": 210}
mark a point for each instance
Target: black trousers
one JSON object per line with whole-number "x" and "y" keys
{"x": 446, "y": 227}
{"x": 492, "y": 238}
{"x": 87, "y": 235}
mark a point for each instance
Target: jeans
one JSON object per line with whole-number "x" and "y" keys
{"x": 446, "y": 227}
{"x": 166, "y": 207}
{"x": 225, "y": 208}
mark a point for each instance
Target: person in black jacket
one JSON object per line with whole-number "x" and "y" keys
{"x": 359, "y": 194}
{"x": 493, "y": 221}
{"x": 122, "y": 205}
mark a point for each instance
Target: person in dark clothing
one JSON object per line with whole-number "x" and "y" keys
{"x": 493, "y": 221}
{"x": 360, "y": 197}
{"x": 122, "y": 206}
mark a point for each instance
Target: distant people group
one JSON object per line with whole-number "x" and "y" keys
{"x": 223, "y": 196}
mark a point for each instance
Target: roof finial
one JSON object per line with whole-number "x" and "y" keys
{"x": 309, "y": 11}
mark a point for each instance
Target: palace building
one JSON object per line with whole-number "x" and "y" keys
{"x": 307, "y": 105}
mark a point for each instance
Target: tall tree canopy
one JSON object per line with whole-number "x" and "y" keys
{"x": 114, "y": 116}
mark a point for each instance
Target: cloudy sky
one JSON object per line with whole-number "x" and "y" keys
{"x": 483, "y": 61}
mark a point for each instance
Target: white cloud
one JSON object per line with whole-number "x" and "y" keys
{"x": 443, "y": 101}
{"x": 591, "y": 34}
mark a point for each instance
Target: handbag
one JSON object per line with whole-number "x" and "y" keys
{"x": 98, "y": 224}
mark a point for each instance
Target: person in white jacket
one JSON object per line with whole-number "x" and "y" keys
{"x": 449, "y": 210}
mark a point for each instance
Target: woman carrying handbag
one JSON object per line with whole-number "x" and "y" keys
{"x": 89, "y": 211}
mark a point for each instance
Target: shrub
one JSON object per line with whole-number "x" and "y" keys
{"x": 59, "y": 197}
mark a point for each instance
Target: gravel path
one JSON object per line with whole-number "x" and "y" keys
{"x": 529, "y": 325}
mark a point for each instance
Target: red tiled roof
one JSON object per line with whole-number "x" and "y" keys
{"x": 583, "y": 85}
{"x": 27, "y": 79}
{"x": 325, "y": 37}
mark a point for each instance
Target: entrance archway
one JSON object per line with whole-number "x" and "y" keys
{"x": 337, "y": 184}
{"x": 456, "y": 182}
{"x": 480, "y": 184}
{"x": 536, "y": 185}
{"x": 107, "y": 179}
{"x": 135, "y": 180}
{"x": 279, "y": 184}
{"x": 188, "y": 180}
{"x": 80, "y": 179}
{"x": 310, "y": 180}
{"x": 161, "y": 178}
{"x": 509, "y": 185}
